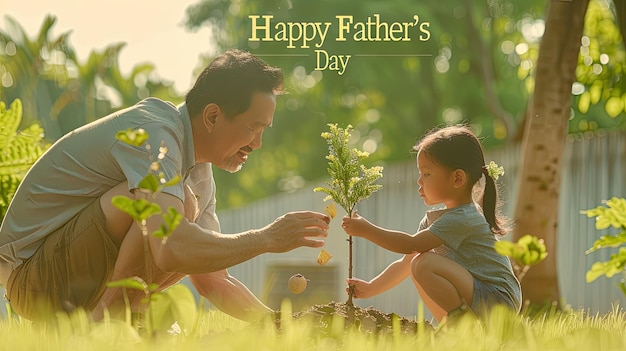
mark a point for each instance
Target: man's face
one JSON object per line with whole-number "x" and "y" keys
{"x": 233, "y": 139}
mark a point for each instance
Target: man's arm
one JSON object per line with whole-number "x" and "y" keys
{"x": 192, "y": 249}
{"x": 229, "y": 295}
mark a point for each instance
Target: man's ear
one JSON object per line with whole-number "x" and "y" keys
{"x": 209, "y": 115}
{"x": 459, "y": 178}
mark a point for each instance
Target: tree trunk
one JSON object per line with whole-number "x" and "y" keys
{"x": 544, "y": 140}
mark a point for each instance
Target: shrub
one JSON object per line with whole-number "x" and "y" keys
{"x": 19, "y": 149}
{"x": 611, "y": 214}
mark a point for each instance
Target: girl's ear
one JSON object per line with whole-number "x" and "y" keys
{"x": 459, "y": 178}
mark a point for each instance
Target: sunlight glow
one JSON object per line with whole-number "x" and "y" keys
{"x": 521, "y": 48}
{"x": 604, "y": 59}
{"x": 507, "y": 47}
{"x": 577, "y": 88}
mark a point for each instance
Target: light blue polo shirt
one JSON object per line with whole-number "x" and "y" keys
{"x": 87, "y": 162}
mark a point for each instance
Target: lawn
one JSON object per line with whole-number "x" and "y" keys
{"x": 213, "y": 330}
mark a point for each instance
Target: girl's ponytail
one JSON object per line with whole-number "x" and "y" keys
{"x": 490, "y": 203}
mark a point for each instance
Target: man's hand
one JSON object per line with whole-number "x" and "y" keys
{"x": 296, "y": 229}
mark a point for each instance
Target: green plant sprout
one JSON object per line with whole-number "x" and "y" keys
{"x": 351, "y": 182}
{"x": 611, "y": 214}
{"x": 526, "y": 252}
{"x": 141, "y": 210}
{"x": 19, "y": 149}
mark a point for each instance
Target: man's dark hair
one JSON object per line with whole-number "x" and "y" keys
{"x": 230, "y": 80}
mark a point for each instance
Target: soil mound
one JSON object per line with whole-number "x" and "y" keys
{"x": 368, "y": 320}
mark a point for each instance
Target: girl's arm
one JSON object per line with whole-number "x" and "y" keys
{"x": 393, "y": 275}
{"x": 391, "y": 240}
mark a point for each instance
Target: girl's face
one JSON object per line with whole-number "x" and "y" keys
{"x": 436, "y": 183}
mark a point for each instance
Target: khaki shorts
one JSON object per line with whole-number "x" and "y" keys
{"x": 70, "y": 269}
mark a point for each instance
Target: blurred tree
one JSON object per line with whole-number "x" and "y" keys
{"x": 58, "y": 90}
{"x": 599, "y": 91}
{"x": 454, "y": 70}
{"x": 28, "y": 65}
{"x": 542, "y": 150}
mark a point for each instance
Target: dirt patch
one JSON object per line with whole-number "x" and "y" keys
{"x": 367, "y": 320}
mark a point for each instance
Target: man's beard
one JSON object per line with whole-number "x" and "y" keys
{"x": 237, "y": 169}
{"x": 233, "y": 167}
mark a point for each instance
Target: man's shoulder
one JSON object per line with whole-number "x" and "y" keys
{"x": 154, "y": 115}
{"x": 154, "y": 103}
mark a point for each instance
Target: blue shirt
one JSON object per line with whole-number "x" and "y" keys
{"x": 469, "y": 242}
{"x": 87, "y": 162}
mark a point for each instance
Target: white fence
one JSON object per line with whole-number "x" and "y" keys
{"x": 594, "y": 170}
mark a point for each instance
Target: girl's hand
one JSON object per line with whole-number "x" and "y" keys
{"x": 355, "y": 225}
{"x": 361, "y": 288}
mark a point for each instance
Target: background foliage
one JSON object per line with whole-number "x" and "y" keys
{"x": 476, "y": 68}
{"x": 20, "y": 149}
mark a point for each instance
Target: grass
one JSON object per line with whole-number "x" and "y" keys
{"x": 214, "y": 330}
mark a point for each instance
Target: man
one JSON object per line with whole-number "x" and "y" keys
{"x": 62, "y": 240}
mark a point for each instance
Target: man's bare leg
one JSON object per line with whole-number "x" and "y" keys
{"x": 134, "y": 258}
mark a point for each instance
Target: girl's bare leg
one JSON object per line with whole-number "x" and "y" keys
{"x": 442, "y": 283}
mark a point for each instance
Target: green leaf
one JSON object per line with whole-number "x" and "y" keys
{"x": 18, "y": 150}
{"x": 172, "y": 181}
{"x": 614, "y": 265}
{"x": 135, "y": 137}
{"x": 150, "y": 182}
{"x": 613, "y": 214}
{"x": 608, "y": 241}
{"x": 172, "y": 219}
{"x": 138, "y": 209}
{"x": 528, "y": 250}
{"x": 504, "y": 248}
{"x": 176, "y": 304}
{"x": 351, "y": 182}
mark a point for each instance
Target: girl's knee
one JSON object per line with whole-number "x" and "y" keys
{"x": 420, "y": 264}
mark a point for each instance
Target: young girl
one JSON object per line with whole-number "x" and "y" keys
{"x": 451, "y": 259}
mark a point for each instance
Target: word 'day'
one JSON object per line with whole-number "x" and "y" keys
{"x": 332, "y": 62}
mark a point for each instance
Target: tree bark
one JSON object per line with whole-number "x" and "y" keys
{"x": 536, "y": 209}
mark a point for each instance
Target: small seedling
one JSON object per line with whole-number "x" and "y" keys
{"x": 351, "y": 182}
